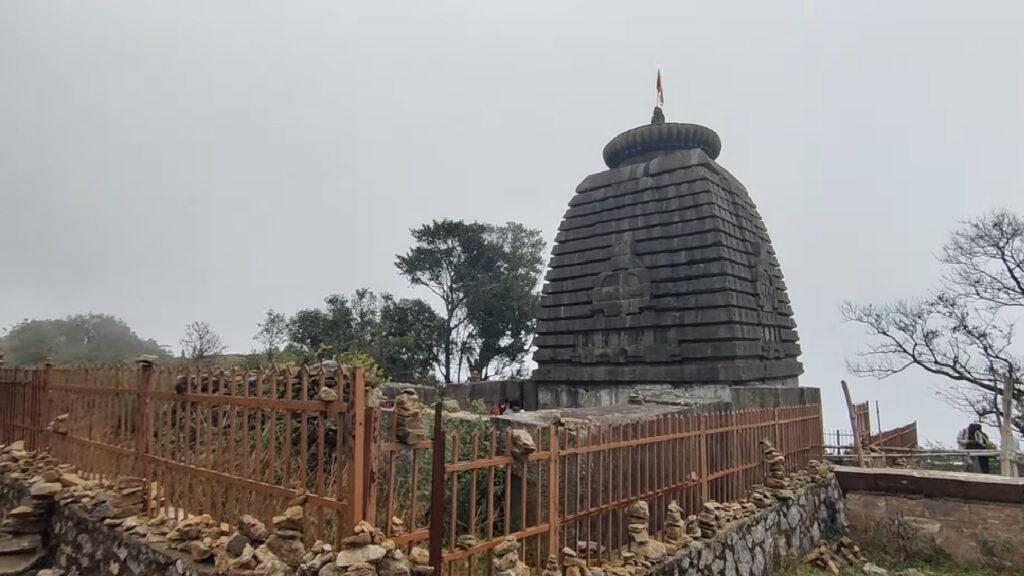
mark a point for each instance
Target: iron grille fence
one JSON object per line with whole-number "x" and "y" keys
{"x": 243, "y": 441}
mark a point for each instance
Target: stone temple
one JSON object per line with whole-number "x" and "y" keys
{"x": 662, "y": 277}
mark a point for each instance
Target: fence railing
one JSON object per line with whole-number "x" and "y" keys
{"x": 472, "y": 486}
{"x": 206, "y": 440}
{"x": 233, "y": 442}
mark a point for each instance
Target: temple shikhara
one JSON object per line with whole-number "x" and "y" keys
{"x": 663, "y": 276}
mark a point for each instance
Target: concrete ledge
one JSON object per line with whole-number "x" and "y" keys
{"x": 932, "y": 484}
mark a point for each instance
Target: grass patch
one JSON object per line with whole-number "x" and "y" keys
{"x": 897, "y": 547}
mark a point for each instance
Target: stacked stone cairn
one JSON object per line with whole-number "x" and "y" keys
{"x": 506, "y": 562}
{"x": 286, "y": 539}
{"x": 776, "y": 480}
{"x": 237, "y": 554}
{"x": 675, "y": 529}
{"x": 574, "y": 565}
{"x": 693, "y": 527}
{"x": 551, "y": 567}
{"x": 369, "y": 552}
{"x": 419, "y": 562}
{"x": 647, "y": 549}
{"x": 409, "y": 427}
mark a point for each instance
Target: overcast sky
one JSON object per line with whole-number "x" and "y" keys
{"x": 178, "y": 161}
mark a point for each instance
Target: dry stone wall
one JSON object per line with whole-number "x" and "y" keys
{"x": 755, "y": 545}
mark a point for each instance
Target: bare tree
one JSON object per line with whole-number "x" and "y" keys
{"x": 200, "y": 341}
{"x": 273, "y": 332}
{"x": 963, "y": 332}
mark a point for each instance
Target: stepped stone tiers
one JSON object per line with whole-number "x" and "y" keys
{"x": 663, "y": 273}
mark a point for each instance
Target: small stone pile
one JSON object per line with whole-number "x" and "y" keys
{"x": 551, "y": 567}
{"x": 832, "y": 557}
{"x": 693, "y": 527}
{"x": 59, "y": 425}
{"x": 777, "y": 482}
{"x": 126, "y": 497}
{"x": 760, "y": 497}
{"x": 369, "y": 552}
{"x": 197, "y": 535}
{"x": 419, "y": 562}
{"x": 409, "y": 417}
{"x": 647, "y": 549}
{"x": 636, "y": 396}
{"x": 397, "y": 526}
{"x": 319, "y": 556}
{"x": 709, "y": 517}
{"x": 522, "y": 445}
{"x": 675, "y": 529}
{"x": 286, "y": 539}
{"x": 574, "y": 566}
{"x": 237, "y": 553}
{"x": 505, "y": 560}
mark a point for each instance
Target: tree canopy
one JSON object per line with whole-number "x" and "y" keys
{"x": 963, "y": 332}
{"x": 486, "y": 278}
{"x": 79, "y": 339}
{"x": 400, "y": 334}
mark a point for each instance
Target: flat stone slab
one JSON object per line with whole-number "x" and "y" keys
{"x": 19, "y": 564}
{"x": 932, "y": 484}
{"x": 19, "y": 544}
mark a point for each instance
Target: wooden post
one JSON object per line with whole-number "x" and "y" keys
{"x": 553, "y": 524}
{"x": 437, "y": 500}
{"x": 853, "y": 423}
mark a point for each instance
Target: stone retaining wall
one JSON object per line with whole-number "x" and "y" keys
{"x": 83, "y": 546}
{"x": 971, "y": 516}
{"x": 756, "y": 545}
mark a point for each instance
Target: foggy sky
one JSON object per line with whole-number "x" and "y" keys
{"x": 179, "y": 161}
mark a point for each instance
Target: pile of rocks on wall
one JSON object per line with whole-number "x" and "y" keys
{"x": 75, "y": 526}
{"x": 788, "y": 515}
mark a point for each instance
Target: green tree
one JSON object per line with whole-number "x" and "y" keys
{"x": 273, "y": 332}
{"x": 78, "y": 339}
{"x": 486, "y": 279}
{"x": 399, "y": 334}
{"x": 409, "y": 337}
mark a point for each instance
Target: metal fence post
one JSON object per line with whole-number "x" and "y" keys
{"x": 356, "y": 485}
{"x": 42, "y": 403}
{"x": 553, "y": 473}
{"x": 437, "y": 500}
{"x": 705, "y": 490}
{"x": 144, "y": 427}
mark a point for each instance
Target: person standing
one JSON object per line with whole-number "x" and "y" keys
{"x": 973, "y": 438}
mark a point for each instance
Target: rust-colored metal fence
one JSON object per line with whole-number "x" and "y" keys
{"x": 468, "y": 489}
{"x": 207, "y": 440}
{"x": 242, "y": 441}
